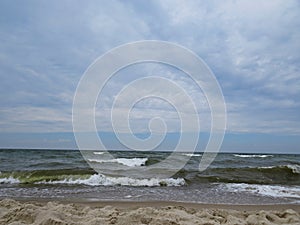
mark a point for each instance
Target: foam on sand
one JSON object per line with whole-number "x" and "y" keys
{"x": 266, "y": 190}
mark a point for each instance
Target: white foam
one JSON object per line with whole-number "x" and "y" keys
{"x": 101, "y": 180}
{"x": 9, "y": 180}
{"x": 266, "y": 190}
{"x": 98, "y": 153}
{"x": 191, "y": 154}
{"x": 127, "y": 162}
{"x": 264, "y": 167}
{"x": 252, "y": 156}
{"x": 294, "y": 168}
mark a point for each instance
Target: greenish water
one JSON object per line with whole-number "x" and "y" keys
{"x": 231, "y": 178}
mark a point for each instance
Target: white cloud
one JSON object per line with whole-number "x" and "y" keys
{"x": 252, "y": 46}
{"x": 34, "y": 119}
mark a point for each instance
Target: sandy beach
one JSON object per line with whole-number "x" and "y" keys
{"x": 52, "y": 212}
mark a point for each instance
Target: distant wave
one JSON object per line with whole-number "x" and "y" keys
{"x": 101, "y": 180}
{"x": 98, "y": 153}
{"x": 125, "y": 161}
{"x": 252, "y": 156}
{"x": 191, "y": 154}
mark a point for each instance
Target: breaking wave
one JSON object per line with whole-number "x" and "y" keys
{"x": 99, "y": 180}
{"x": 98, "y": 153}
{"x": 191, "y": 154}
{"x": 295, "y": 169}
{"x": 252, "y": 156}
{"x": 124, "y": 161}
{"x": 9, "y": 180}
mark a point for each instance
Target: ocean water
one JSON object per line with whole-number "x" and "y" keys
{"x": 231, "y": 179}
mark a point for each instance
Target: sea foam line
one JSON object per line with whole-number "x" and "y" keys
{"x": 266, "y": 190}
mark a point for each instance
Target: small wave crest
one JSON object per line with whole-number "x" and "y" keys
{"x": 294, "y": 168}
{"x": 98, "y": 153}
{"x": 191, "y": 154}
{"x": 101, "y": 180}
{"x": 252, "y": 156}
{"x": 124, "y": 161}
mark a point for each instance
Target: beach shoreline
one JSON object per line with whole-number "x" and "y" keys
{"x": 50, "y": 211}
{"x": 133, "y": 204}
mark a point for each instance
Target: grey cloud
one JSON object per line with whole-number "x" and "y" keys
{"x": 46, "y": 47}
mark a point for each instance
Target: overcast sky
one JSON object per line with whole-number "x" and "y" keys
{"x": 252, "y": 47}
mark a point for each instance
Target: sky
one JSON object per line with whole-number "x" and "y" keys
{"x": 252, "y": 47}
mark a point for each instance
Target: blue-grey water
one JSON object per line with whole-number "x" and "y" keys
{"x": 232, "y": 178}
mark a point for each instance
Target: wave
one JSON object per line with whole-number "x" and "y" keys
{"x": 98, "y": 153}
{"x": 101, "y": 180}
{"x": 293, "y": 168}
{"x": 191, "y": 154}
{"x": 124, "y": 161}
{"x": 84, "y": 177}
{"x": 275, "y": 175}
{"x": 266, "y": 190}
{"x": 252, "y": 156}
{"x": 9, "y": 180}
{"x": 268, "y": 175}
{"x": 31, "y": 177}
{"x": 276, "y": 170}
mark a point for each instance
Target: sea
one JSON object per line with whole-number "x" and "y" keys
{"x": 232, "y": 178}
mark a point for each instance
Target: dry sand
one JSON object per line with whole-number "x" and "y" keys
{"x": 44, "y": 212}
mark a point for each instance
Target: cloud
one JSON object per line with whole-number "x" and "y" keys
{"x": 251, "y": 46}
{"x": 34, "y": 119}
{"x": 157, "y": 93}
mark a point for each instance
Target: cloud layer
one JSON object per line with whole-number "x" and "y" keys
{"x": 251, "y": 46}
